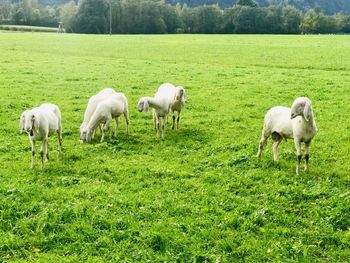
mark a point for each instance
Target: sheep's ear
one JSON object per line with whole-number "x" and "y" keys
{"x": 307, "y": 109}
{"x": 145, "y": 106}
{"x": 21, "y": 123}
{"x": 35, "y": 120}
{"x": 184, "y": 96}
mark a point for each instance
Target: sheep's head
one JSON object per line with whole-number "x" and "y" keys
{"x": 143, "y": 106}
{"x": 29, "y": 121}
{"x": 83, "y": 132}
{"x": 181, "y": 94}
{"x": 301, "y": 107}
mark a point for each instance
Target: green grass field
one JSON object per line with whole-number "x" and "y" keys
{"x": 199, "y": 196}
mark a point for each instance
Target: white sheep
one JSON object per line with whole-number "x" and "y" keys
{"x": 284, "y": 123}
{"x": 163, "y": 101}
{"x": 40, "y": 123}
{"x": 108, "y": 109}
{"x": 177, "y": 104}
{"x": 91, "y": 107}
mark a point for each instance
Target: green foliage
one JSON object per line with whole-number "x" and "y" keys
{"x": 316, "y": 21}
{"x": 67, "y": 16}
{"x": 200, "y": 195}
{"x": 92, "y": 17}
{"x": 157, "y": 17}
{"x": 249, "y": 3}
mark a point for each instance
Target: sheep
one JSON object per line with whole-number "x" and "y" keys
{"x": 177, "y": 104}
{"x": 290, "y": 123}
{"x": 91, "y": 107}
{"x": 168, "y": 97}
{"x": 108, "y": 109}
{"x": 40, "y": 123}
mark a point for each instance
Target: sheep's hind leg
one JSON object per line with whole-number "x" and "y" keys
{"x": 157, "y": 124}
{"x": 126, "y": 115}
{"x": 307, "y": 156}
{"x": 165, "y": 119}
{"x": 298, "y": 148}
{"x": 276, "y": 141}
{"x": 178, "y": 120}
{"x": 59, "y": 134}
{"x": 116, "y": 127}
{"x": 173, "y": 116}
{"x": 47, "y": 150}
{"x": 42, "y": 153}
{"x": 33, "y": 153}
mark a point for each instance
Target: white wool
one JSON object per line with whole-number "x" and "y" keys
{"x": 40, "y": 123}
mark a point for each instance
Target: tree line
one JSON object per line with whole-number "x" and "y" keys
{"x": 158, "y": 17}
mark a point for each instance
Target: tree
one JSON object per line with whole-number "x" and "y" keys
{"x": 315, "y": 21}
{"x": 250, "y": 3}
{"x": 292, "y": 20}
{"x": 208, "y": 19}
{"x": 92, "y": 17}
{"x": 67, "y": 16}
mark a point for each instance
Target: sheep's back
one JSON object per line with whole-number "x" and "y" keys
{"x": 277, "y": 119}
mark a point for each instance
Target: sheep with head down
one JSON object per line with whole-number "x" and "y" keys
{"x": 90, "y": 109}
{"x": 296, "y": 123}
{"x": 108, "y": 109}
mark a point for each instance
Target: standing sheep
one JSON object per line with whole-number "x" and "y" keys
{"x": 168, "y": 97}
{"x": 296, "y": 123}
{"x": 177, "y": 104}
{"x": 40, "y": 123}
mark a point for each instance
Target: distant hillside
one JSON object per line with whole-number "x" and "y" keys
{"x": 329, "y": 6}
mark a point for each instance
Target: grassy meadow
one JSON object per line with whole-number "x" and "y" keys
{"x": 199, "y": 196}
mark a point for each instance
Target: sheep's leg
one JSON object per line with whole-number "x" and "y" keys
{"x": 116, "y": 126}
{"x": 262, "y": 144}
{"x": 178, "y": 120}
{"x": 126, "y": 115}
{"x": 165, "y": 119}
{"x": 307, "y": 156}
{"x": 155, "y": 121}
{"x": 157, "y": 125}
{"x": 100, "y": 128}
{"x": 33, "y": 153}
{"x": 59, "y": 134}
{"x": 298, "y": 148}
{"x": 47, "y": 150}
{"x": 105, "y": 128}
{"x": 42, "y": 152}
{"x": 276, "y": 141}
{"x": 173, "y": 126}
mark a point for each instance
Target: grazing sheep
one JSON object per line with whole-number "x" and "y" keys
{"x": 91, "y": 107}
{"x": 167, "y": 96}
{"x": 108, "y": 109}
{"x": 40, "y": 123}
{"x": 284, "y": 123}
